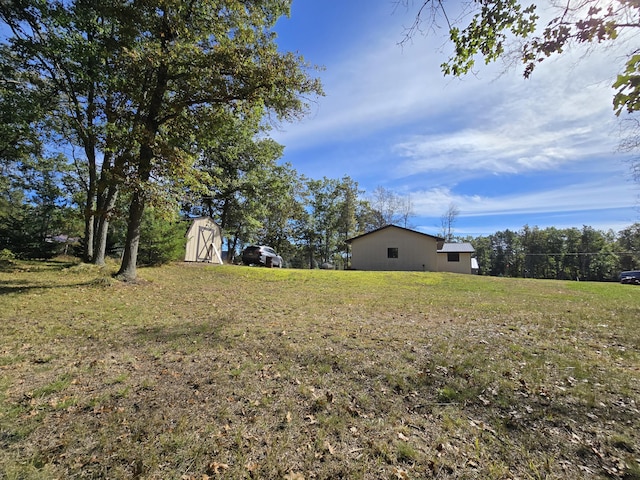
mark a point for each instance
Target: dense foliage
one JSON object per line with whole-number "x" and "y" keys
{"x": 568, "y": 254}
{"x": 137, "y": 91}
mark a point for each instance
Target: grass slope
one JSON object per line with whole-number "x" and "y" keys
{"x": 200, "y": 372}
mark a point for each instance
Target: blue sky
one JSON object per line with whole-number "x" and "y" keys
{"x": 506, "y": 151}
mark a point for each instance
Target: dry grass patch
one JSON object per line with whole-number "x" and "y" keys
{"x": 242, "y": 372}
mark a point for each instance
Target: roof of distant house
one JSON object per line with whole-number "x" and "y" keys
{"x": 462, "y": 247}
{"x": 393, "y": 226}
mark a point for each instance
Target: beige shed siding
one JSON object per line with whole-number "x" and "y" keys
{"x": 463, "y": 266}
{"x": 416, "y": 252}
{"x": 204, "y": 241}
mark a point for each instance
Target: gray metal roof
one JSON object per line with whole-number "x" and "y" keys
{"x": 457, "y": 248}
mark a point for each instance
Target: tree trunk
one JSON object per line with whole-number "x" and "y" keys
{"x": 89, "y": 142}
{"x": 89, "y": 208}
{"x": 128, "y": 271}
{"x": 106, "y": 205}
{"x": 87, "y": 254}
{"x": 151, "y": 126}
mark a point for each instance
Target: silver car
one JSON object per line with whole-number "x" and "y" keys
{"x": 261, "y": 255}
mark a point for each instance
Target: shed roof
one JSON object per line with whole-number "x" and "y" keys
{"x": 392, "y": 226}
{"x": 462, "y": 247}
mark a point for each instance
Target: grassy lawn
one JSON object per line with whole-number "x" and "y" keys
{"x": 200, "y": 372}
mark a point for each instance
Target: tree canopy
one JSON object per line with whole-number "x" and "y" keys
{"x": 493, "y": 29}
{"x": 142, "y": 87}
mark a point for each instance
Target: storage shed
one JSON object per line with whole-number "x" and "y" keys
{"x": 204, "y": 241}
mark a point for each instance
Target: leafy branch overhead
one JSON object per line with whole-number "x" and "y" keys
{"x": 511, "y": 28}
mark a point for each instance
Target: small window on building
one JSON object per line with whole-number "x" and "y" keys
{"x": 453, "y": 257}
{"x": 392, "y": 253}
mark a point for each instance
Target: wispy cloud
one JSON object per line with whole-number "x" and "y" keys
{"x": 590, "y": 196}
{"x": 391, "y": 118}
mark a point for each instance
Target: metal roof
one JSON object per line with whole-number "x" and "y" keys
{"x": 457, "y": 248}
{"x": 392, "y": 226}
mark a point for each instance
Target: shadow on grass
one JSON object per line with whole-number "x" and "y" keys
{"x": 10, "y": 266}
{"x": 33, "y": 268}
{"x": 23, "y": 286}
{"x": 186, "y": 332}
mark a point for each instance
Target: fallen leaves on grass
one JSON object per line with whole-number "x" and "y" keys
{"x": 217, "y": 468}
{"x": 294, "y": 476}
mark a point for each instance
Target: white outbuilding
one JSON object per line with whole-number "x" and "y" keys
{"x": 204, "y": 241}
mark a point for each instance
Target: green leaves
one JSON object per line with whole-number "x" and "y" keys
{"x": 487, "y": 33}
{"x": 497, "y": 25}
{"x": 142, "y": 87}
{"x": 627, "y": 85}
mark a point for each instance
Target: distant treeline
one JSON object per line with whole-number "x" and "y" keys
{"x": 566, "y": 254}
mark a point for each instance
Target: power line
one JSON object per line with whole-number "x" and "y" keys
{"x": 580, "y": 253}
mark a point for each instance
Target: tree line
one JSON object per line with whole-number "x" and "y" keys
{"x": 257, "y": 200}
{"x": 244, "y": 189}
{"x": 122, "y": 119}
{"x": 553, "y": 253}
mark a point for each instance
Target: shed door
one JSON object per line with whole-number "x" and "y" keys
{"x": 205, "y": 246}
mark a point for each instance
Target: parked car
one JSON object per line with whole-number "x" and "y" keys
{"x": 632, "y": 277}
{"x": 261, "y": 255}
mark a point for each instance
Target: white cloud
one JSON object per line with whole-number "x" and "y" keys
{"x": 586, "y": 196}
{"x": 495, "y": 150}
{"x": 521, "y": 125}
{"x": 391, "y": 117}
{"x": 375, "y": 85}
{"x": 504, "y": 124}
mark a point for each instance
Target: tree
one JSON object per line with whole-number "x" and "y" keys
{"x": 406, "y": 210}
{"x": 242, "y": 183}
{"x": 347, "y": 225}
{"x": 447, "y": 221}
{"x": 163, "y": 237}
{"x": 389, "y": 208}
{"x": 23, "y": 105}
{"x": 572, "y": 253}
{"x": 67, "y": 47}
{"x": 282, "y": 206}
{"x": 37, "y": 211}
{"x": 628, "y": 244}
{"x": 188, "y": 63}
{"x": 509, "y": 28}
{"x": 146, "y": 85}
{"x": 320, "y": 223}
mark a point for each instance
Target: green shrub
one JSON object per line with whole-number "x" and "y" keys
{"x": 162, "y": 239}
{"x": 6, "y": 255}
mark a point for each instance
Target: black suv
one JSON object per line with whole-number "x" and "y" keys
{"x": 632, "y": 277}
{"x": 261, "y": 255}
